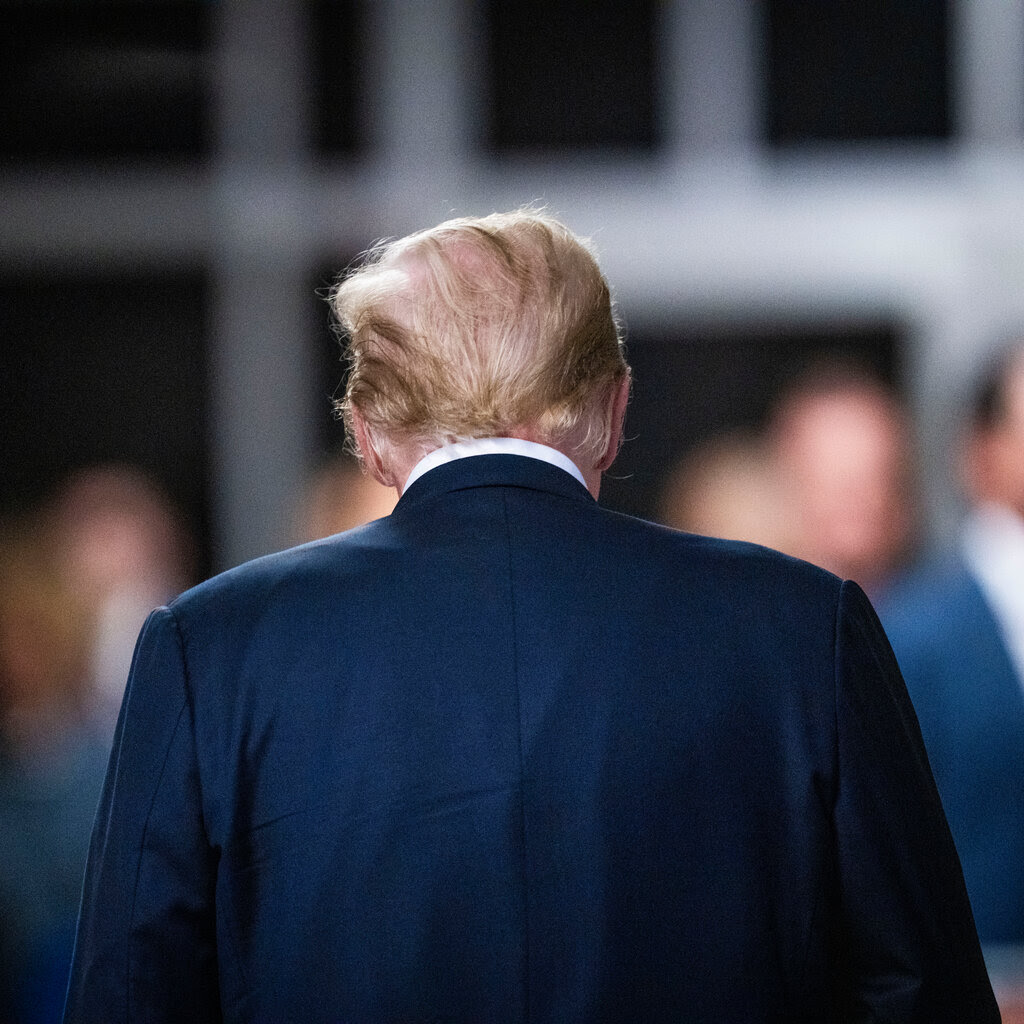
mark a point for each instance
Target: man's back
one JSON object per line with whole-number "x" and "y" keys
{"x": 506, "y": 756}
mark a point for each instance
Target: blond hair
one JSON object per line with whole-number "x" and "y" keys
{"x": 482, "y": 327}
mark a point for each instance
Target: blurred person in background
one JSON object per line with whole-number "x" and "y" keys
{"x": 724, "y": 488}
{"x": 957, "y": 626}
{"x": 124, "y": 550}
{"x": 839, "y": 444}
{"x": 340, "y": 495}
{"x": 79, "y": 573}
{"x": 829, "y": 479}
{"x": 52, "y": 761}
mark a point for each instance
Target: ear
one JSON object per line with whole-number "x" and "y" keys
{"x": 371, "y": 457}
{"x": 619, "y": 401}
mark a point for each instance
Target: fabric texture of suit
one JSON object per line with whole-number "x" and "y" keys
{"x": 507, "y": 756}
{"x": 970, "y": 703}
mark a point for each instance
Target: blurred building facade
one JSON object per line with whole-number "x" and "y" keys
{"x": 742, "y": 176}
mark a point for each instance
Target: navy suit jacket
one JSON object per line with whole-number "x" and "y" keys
{"x": 508, "y": 756}
{"x": 971, "y": 707}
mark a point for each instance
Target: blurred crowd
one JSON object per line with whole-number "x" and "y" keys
{"x": 831, "y": 478}
{"x": 79, "y": 572}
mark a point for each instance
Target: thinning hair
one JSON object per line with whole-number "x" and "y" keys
{"x": 481, "y": 327}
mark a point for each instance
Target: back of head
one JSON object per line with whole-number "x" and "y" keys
{"x": 481, "y": 327}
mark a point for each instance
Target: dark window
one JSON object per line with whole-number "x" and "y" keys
{"x": 337, "y": 30}
{"x": 692, "y": 384}
{"x": 857, "y": 70}
{"x": 100, "y": 80}
{"x": 330, "y": 366}
{"x": 570, "y": 74}
{"x": 102, "y": 368}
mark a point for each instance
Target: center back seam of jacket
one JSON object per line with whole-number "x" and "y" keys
{"x": 519, "y": 737}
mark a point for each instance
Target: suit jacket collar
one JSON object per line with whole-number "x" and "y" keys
{"x": 493, "y": 471}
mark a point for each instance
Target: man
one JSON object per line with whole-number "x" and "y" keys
{"x": 840, "y": 444}
{"x": 504, "y": 755}
{"x": 958, "y": 628}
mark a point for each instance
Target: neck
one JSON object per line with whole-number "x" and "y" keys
{"x": 513, "y": 445}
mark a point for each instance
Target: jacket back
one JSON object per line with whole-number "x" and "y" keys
{"x": 508, "y": 756}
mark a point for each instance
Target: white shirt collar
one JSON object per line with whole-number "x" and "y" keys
{"x": 493, "y": 446}
{"x": 993, "y": 547}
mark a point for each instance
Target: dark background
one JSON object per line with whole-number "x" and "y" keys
{"x": 99, "y": 363}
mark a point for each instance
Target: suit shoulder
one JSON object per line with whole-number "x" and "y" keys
{"x": 734, "y": 555}
{"x": 301, "y": 569}
{"x": 729, "y": 563}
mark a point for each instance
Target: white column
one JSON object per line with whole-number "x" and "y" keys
{"x": 261, "y": 386}
{"x": 988, "y": 69}
{"x": 424, "y": 89}
{"x": 711, "y": 63}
